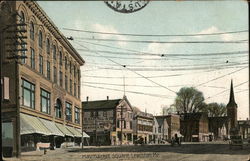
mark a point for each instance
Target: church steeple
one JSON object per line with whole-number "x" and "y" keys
{"x": 231, "y": 98}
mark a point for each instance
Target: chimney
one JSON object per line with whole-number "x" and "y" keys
{"x": 87, "y": 98}
{"x": 107, "y": 97}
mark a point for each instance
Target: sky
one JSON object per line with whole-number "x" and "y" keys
{"x": 154, "y": 71}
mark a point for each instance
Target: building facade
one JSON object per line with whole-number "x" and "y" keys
{"x": 44, "y": 85}
{"x": 173, "y": 125}
{"x": 143, "y": 126}
{"x": 194, "y": 126}
{"x": 162, "y": 133}
{"x": 108, "y": 122}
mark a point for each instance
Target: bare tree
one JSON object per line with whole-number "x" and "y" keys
{"x": 189, "y": 99}
{"x": 215, "y": 110}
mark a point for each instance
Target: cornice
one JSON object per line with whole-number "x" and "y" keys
{"x": 48, "y": 23}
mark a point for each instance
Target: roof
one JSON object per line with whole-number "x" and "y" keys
{"x": 101, "y": 104}
{"x": 192, "y": 116}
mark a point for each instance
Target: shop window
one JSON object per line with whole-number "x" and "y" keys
{"x": 28, "y": 94}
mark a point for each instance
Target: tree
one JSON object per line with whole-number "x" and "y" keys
{"x": 215, "y": 109}
{"x": 189, "y": 99}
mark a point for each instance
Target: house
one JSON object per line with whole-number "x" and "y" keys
{"x": 42, "y": 74}
{"x": 162, "y": 133}
{"x": 194, "y": 126}
{"x": 108, "y": 122}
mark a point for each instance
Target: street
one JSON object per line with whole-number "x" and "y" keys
{"x": 214, "y": 151}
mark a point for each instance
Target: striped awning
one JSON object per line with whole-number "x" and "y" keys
{"x": 75, "y": 132}
{"x": 30, "y": 124}
{"x": 84, "y": 134}
{"x": 64, "y": 130}
{"x": 52, "y": 127}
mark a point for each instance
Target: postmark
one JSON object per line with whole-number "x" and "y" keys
{"x": 127, "y": 6}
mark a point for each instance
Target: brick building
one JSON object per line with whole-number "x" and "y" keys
{"x": 44, "y": 88}
{"x": 107, "y": 122}
{"x": 194, "y": 126}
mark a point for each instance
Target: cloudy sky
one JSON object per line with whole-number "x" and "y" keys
{"x": 158, "y": 66}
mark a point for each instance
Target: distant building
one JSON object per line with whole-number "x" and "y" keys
{"x": 107, "y": 122}
{"x": 244, "y": 128}
{"x": 173, "y": 125}
{"x": 194, "y": 126}
{"x": 163, "y": 127}
{"x": 144, "y": 126}
{"x": 219, "y": 127}
{"x": 44, "y": 88}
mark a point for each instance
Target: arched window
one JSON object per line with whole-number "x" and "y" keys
{"x": 54, "y": 52}
{"x": 40, "y": 39}
{"x": 48, "y": 46}
{"x": 32, "y": 31}
{"x": 58, "y": 109}
{"x": 22, "y": 17}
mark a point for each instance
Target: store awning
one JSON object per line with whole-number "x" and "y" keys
{"x": 64, "y": 130}
{"x": 30, "y": 124}
{"x": 84, "y": 134}
{"x": 74, "y": 131}
{"x": 52, "y": 127}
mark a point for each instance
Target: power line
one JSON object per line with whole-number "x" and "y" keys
{"x": 120, "y": 85}
{"x": 163, "y": 42}
{"x": 134, "y": 92}
{"x": 135, "y": 72}
{"x": 169, "y": 55}
{"x": 154, "y": 35}
{"x": 222, "y": 76}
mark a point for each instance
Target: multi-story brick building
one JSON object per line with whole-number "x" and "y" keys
{"x": 173, "y": 124}
{"x": 107, "y": 122}
{"x": 143, "y": 125}
{"x": 44, "y": 102}
{"x": 194, "y": 126}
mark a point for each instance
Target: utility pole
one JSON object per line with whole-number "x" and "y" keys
{"x": 121, "y": 123}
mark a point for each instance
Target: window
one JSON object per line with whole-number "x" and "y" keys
{"x": 40, "y": 39}
{"x": 66, "y": 83}
{"x": 130, "y": 124}
{"x": 68, "y": 111}
{"x": 77, "y": 115}
{"x": 78, "y": 91}
{"x": 74, "y": 71}
{"x": 124, "y": 124}
{"x": 48, "y": 70}
{"x": 32, "y": 58}
{"x": 79, "y": 75}
{"x": 66, "y": 63}
{"x": 41, "y": 64}
{"x": 58, "y": 109}
{"x": 48, "y": 46}
{"x": 70, "y": 86}
{"x": 104, "y": 113}
{"x": 118, "y": 123}
{"x": 54, "y": 52}
{"x": 45, "y": 101}
{"x": 70, "y": 66}
{"x": 55, "y": 75}
{"x": 22, "y": 20}
{"x": 92, "y": 114}
{"x": 32, "y": 31}
{"x": 28, "y": 94}
{"x": 61, "y": 78}
{"x": 74, "y": 89}
{"x": 60, "y": 58}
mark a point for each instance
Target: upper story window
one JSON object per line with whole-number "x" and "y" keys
{"x": 58, "y": 109}
{"x": 68, "y": 111}
{"x": 48, "y": 70}
{"x": 60, "y": 57}
{"x": 48, "y": 46}
{"x": 66, "y": 63}
{"x": 70, "y": 66}
{"x": 54, "y": 52}
{"x": 22, "y": 17}
{"x": 32, "y": 31}
{"x": 55, "y": 74}
{"x": 41, "y": 64}
{"x": 28, "y": 94}
{"x": 77, "y": 115}
{"x": 45, "y": 101}
{"x": 32, "y": 58}
{"x": 40, "y": 39}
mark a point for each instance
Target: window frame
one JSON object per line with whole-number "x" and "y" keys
{"x": 47, "y": 98}
{"x": 31, "y": 91}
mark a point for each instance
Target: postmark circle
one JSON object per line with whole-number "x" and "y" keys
{"x": 126, "y": 6}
